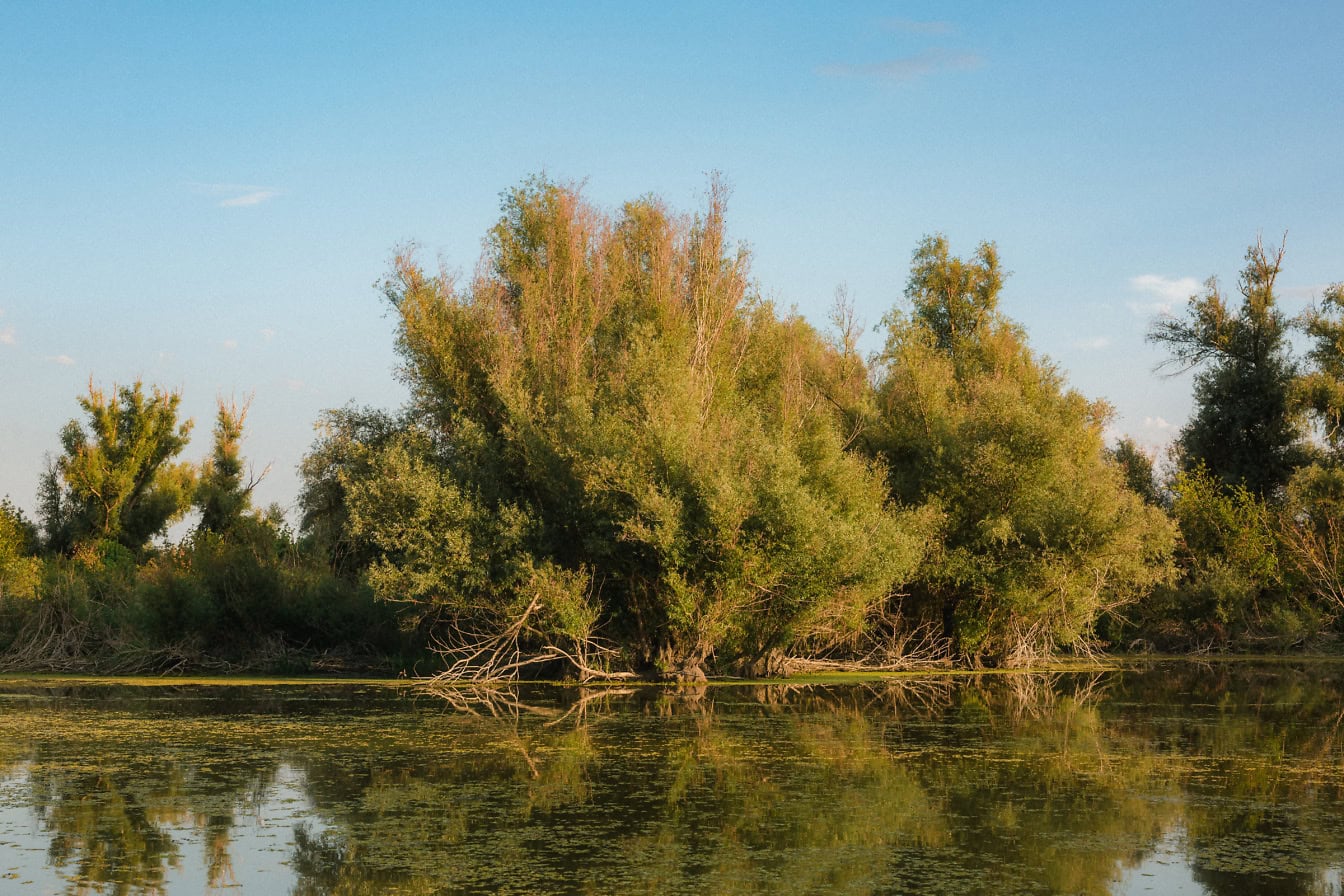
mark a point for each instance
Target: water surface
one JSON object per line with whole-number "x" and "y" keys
{"x": 1176, "y": 778}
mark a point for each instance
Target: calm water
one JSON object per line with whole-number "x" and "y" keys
{"x": 1225, "y": 779}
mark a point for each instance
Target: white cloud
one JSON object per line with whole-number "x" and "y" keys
{"x": 295, "y": 385}
{"x": 267, "y": 333}
{"x": 236, "y": 195}
{"x": 6, "y": 335}
{"x": 64, "y": 360}
{"x": 1167, "y": 290}
{"x": 1149, "y": 309}
{"x": 1303, "y": 292}
{"x": 256, "y": 197}
{"x": 1157, "y": 424}
{"x": 906, "y": 68}
{"x": 229, "y": 344}
{"x": 1173, "y": 289}
{"x": 1094, "y": 344}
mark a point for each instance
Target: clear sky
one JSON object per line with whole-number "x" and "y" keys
{"x": 203, "y": 195}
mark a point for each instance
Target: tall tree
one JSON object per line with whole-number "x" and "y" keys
{"x": 1039, "y": 533}
{"x": 1244, "y": 430}
{"x": 222, "y": 496}
{"x": 610, "y": 429}
{"x": 115, "y": 479}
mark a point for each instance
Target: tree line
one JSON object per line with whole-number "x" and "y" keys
{"x": 619, "y": 458}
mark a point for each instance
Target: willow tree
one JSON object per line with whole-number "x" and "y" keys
{"x": 115, "y": 479}
{"x": 224, "y": 494}
{"x": 1039, "y": 532}
{"x": 612, "y": 434}
{"x": 1312, "y": 519}
{"x": 1244, "y": 430}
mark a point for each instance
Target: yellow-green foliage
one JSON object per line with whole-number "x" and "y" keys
{"x": 20, "y": 571}
{"x": 1040, "y": 533}
{"x": 1228, "y": 554}
{"x": 608, "y": 397}
{"x": 115, "y": 480}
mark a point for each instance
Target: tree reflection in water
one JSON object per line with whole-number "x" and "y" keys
{"x": 986, "y": 784}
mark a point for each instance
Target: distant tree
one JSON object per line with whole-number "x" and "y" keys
{"x": 222, "y": 496}
{"x": 1320, "y": 390}
{"x": 1137, "y": 465}
{"x": 115, "y": 479}
{"x": 1244, "y": 431}
{"x": 1039, "y": 532}
{"x": 347, "y": 440}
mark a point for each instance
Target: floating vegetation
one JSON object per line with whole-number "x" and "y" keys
{"x": 1064, "y": 783}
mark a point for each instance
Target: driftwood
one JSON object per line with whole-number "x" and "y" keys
{"x": 474, "y": 656}
{"x": 897, "y": 650}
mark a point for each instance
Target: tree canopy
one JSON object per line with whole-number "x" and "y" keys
{"x": 1039, "y": 533}
{"x": 608, "y": 416}
{"x": 1244, "y": 430}
{"x": 115, "y": 479}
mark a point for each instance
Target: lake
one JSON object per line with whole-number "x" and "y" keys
{"x": 1165, "y": 778}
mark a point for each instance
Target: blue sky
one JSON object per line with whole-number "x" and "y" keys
{"x": 203, "y": 196}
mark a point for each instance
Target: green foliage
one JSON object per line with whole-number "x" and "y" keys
{"x": 1311, "y": 535}
{"x": 115, "y": 480}
{"x": 1137, "y": 466}
{"x": 230, "y": 595}
{"x": 1244, "y": 430}
{"x": 435, "y": 545}
{"x": 1039, "y": 533}
{"x": 1311, "y": 521}
{"x": 1228, "y": 557}
{"x": 609, "y": 415}
{"x": 1320, "y": 390}
{"x": 19, "y": 568}
{"x": 346, "y": 440}
{"x": 221, "y": 496}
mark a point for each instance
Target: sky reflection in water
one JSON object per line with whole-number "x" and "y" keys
{"x": 1222, "y": 779}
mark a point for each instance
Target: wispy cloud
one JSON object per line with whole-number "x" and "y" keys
{"x": 1303, "y": 292}
{"x": 1096, "y": 343}
{"x": 1167, "y": 291}
{"x": 911, "y": 26}
{"x": 906, "y": 68}
{"x": 1159, "y": 425}
{"x": 236, "y": 195}
{"x": 267, "y": 333}
{"x": 295, "y": 385}
{"x": 230, "y": 345}
{"x": 7, "y": 336}
{"x": 64, "y": 360}
{"x": 256, "y": 197}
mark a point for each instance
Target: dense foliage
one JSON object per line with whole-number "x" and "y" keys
{"x": 1256, "y": 501}
{"x": 115, "y": 480}
{"x": 619, "y": 459}
{"x": 236, "y": 591}
{"x": 1039, "y": 532}
{"x": 612, "y": 435}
